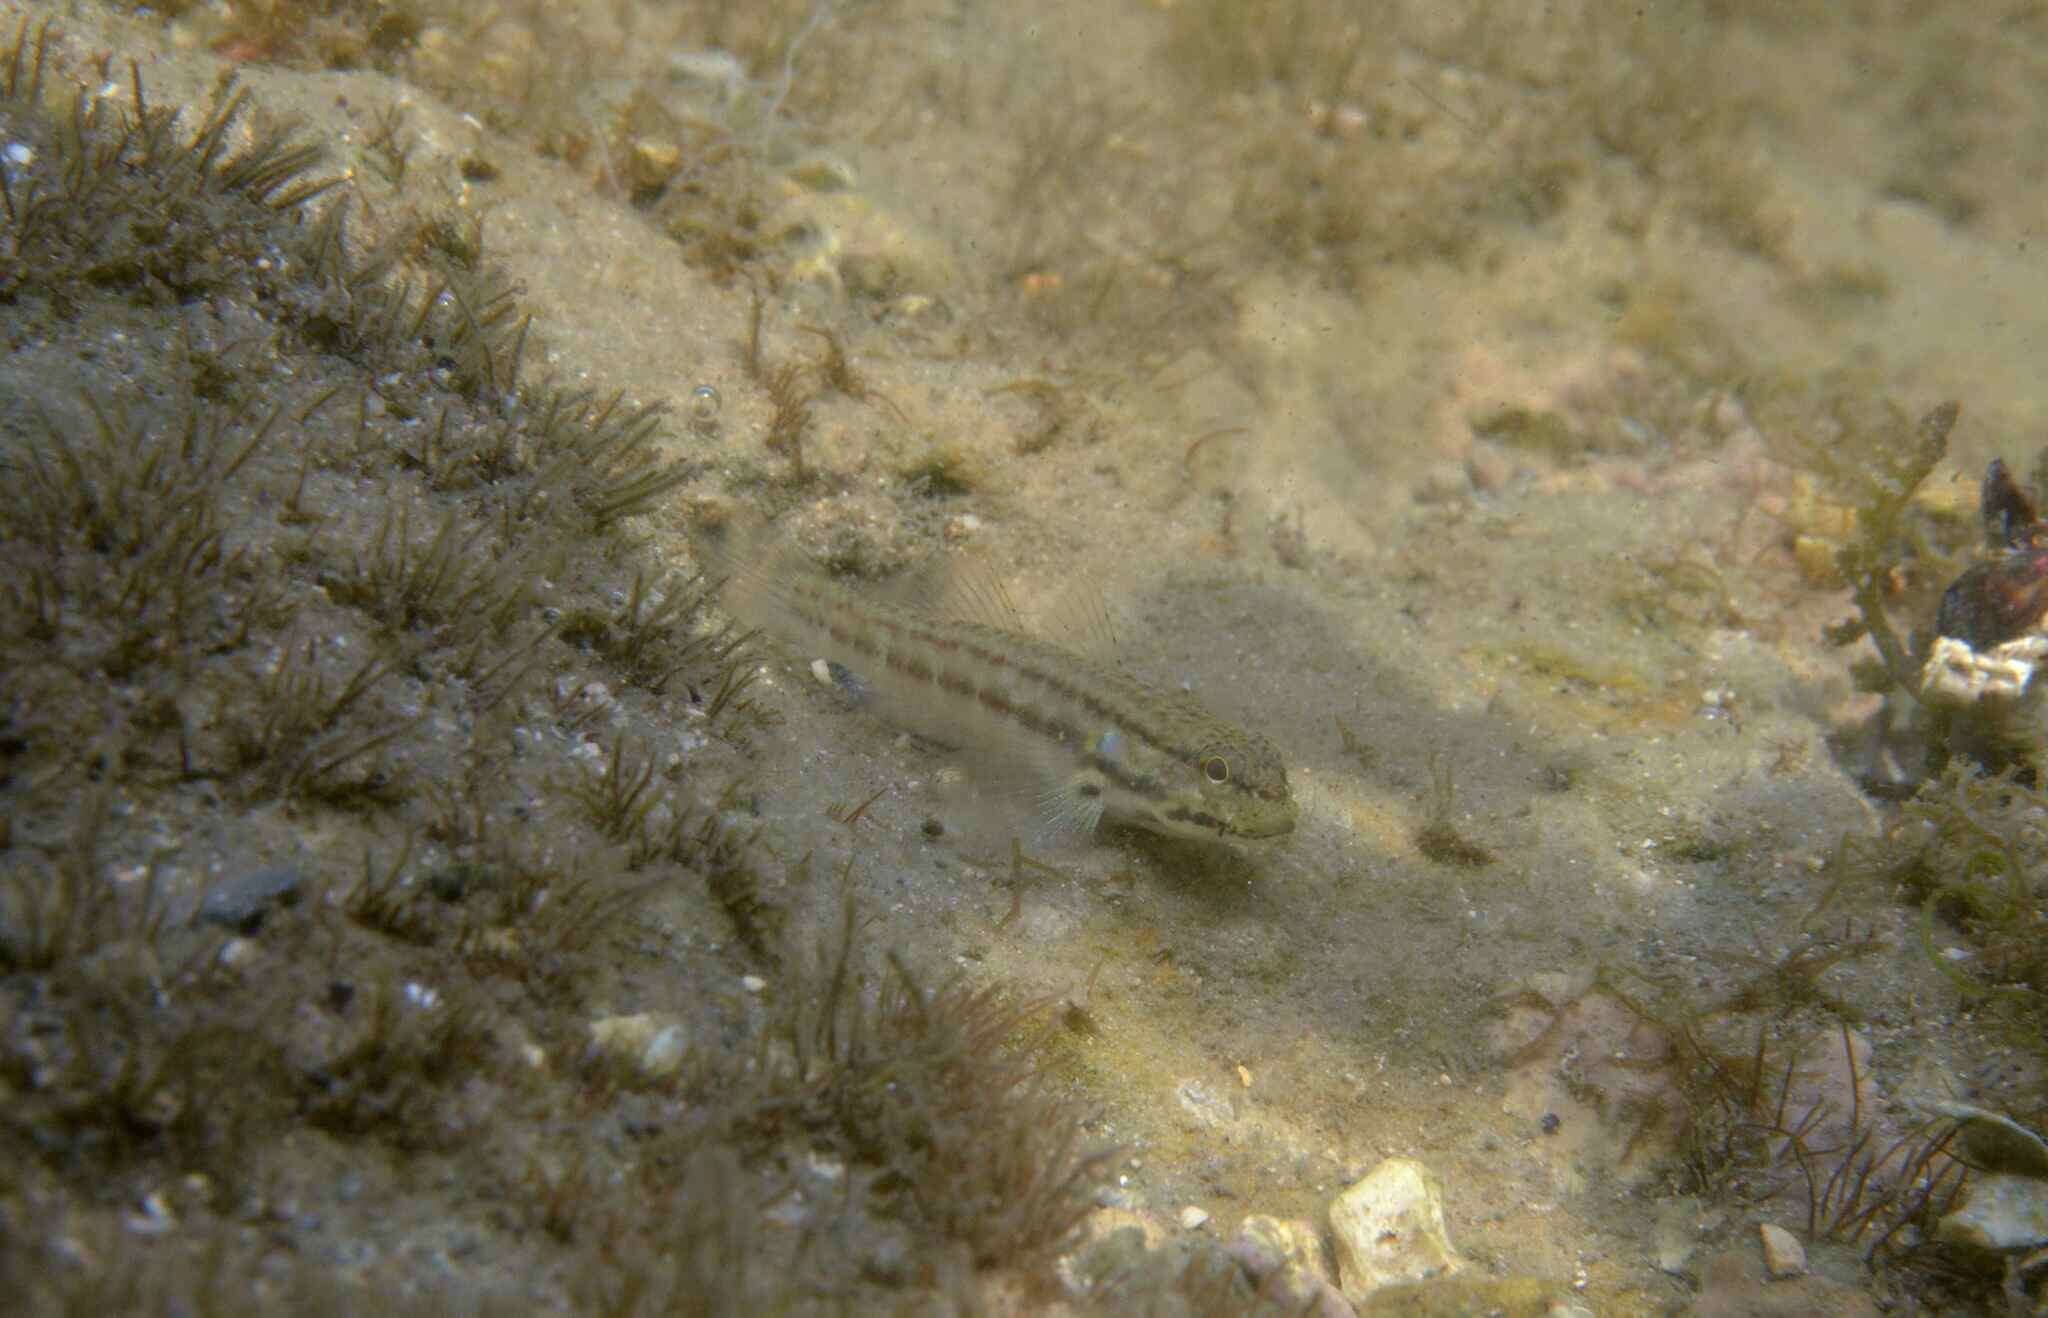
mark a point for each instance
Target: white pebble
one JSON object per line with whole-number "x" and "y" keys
{"x": 1389, "y": 1228}
{"x": 1784, "y": 1256}
{"x": 665, "y": 1052}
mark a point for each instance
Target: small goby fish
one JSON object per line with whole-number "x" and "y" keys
{"x": 1088, "y": 739}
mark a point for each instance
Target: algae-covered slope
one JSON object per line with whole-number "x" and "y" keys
{"x": 359, "y": 765}
{"x": 418, "y": 891}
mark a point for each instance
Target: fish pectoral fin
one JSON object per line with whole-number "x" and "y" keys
{"x": 1075, "y": 803}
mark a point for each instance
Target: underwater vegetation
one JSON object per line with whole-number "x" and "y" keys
{"x": 1969, "y": 852}
{"x": 1373, "y": 158}
{"x": 1952, "y": 880}
{"x": 1808, "y": 1077}
{"x": 359, "y": 764}
{"x": 324, "y": 841}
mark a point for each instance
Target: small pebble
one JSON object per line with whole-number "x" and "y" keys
{"x": 664, "y": 1053}
{"x": 652, "y": 1044}
{"x": 242, "y": 903}
{"x": 1784, "y": 1256}
{"x": 1388, "y": 1227}
{"x": 1728, "y": 415}
{"x": 753, "y": 983}
{"x": 454, "y": 882}
{"x": 715, "y": 67}
{"x": 1487, "y": 468}
{"x": 153, "y": 1218}
{"x": 888, "y": 1263}
{"x": 1192, "y": 1218}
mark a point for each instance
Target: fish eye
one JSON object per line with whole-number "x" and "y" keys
{"x": 1216, "y": 769}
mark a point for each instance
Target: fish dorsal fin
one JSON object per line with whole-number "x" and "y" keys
{"x": 750, "y": 566}
{"x": 1080, "y": 619}
{"x": 967, "y": 588}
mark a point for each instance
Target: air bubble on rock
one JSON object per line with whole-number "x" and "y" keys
{"x": 705, "y": 405}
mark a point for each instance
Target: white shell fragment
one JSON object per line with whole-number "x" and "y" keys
{"x": 1389, "y": 1227}
{"x": 1955, "y": 675}
{"x": 1991, "y": 693}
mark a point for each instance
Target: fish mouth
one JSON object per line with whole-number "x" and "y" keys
{"x": 1279, "y": 825}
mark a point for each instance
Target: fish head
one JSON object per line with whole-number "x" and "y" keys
{"x": 1233, "y": 786}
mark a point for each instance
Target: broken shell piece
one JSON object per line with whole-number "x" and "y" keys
{"x": 1992, "y": 635}
{"x": 1995, "y": 713}
{"x": 1956, "y": 675}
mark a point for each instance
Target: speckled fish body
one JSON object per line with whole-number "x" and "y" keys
{"x": 1093, "y": 741}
